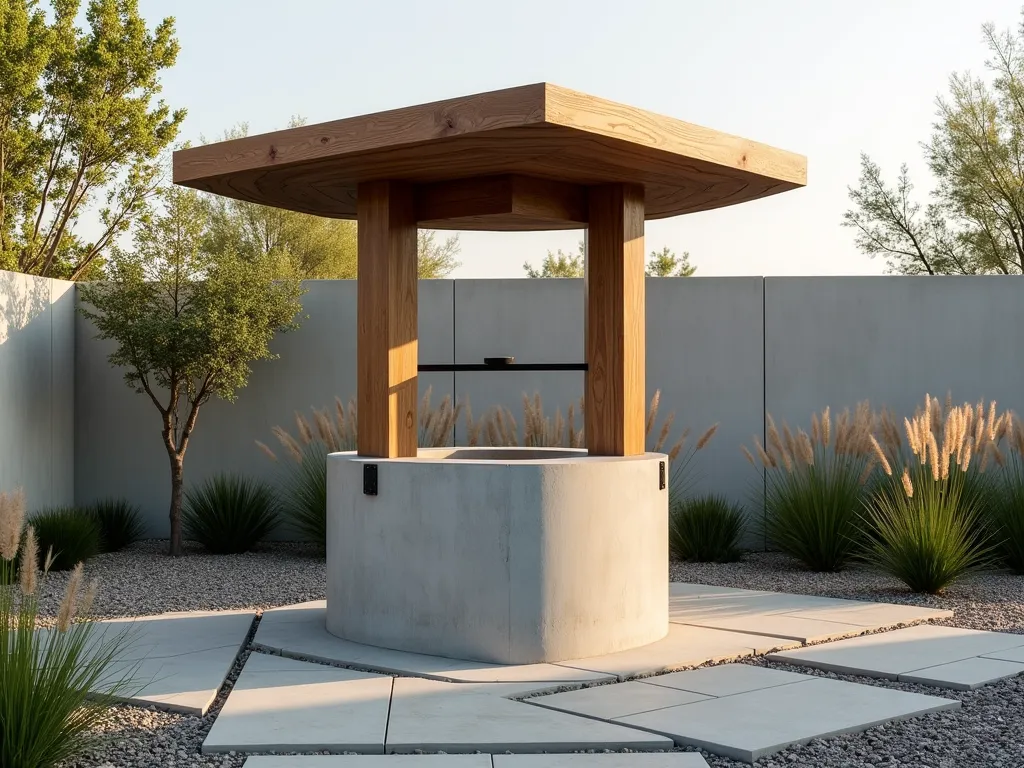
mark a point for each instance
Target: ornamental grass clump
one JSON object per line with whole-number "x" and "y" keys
{"x": 304, "y": 481}
{"x": 1006, "y": 504}
{"x": 56, "y": 684}
{"x": 815, "y": 484}
{"x": 120, "y": 523}
{"x": 705, "y": 529}
{"x": 927, "y": 522}
{"x": 230, "y": 514}
{"x": 70, "y": 535}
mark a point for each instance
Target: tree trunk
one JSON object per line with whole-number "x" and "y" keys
{"x": 177, "y": 467}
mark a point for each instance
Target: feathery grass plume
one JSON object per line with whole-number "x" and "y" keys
{"x": 652, "y": 412}
{"x": 890, "y": 433}
{"x": 806, "y": 450}
{"x": 965, "y": 458}
{"x": 665, "y": 429}
{"x": 288, "y": 443}
{"x": 12, "y": 520}
{"x": 706, "y": 437}
{"x": 908, "y": 485}
{"x": 869, "y": 469}
{"x": 29, "y": 562}
{"x": 787, "y": 461}
{"x": 913, "y": 439}
{"x": 766, "y": 458}
{"x": 493, "y": 436}
{"x": 89, "y": 599}
{"x": 992, "y": 420}
{"x": 266, "y": 450}
{"x": 774, "y": 441}
{"x": 325, "y": 430}
{"x": 933, "y": 456}
{"x": 826, "y": 425}
{"x": 66, "y": 612}
{"x": 749, "y": 455}
{"x": 790, "y": 441}
{"x": 997, "y": 455}
{"x": 979, "y": 428}
{"x": 880, "y": 455}
{"x": 473, "y": 427}
{"x": 842, "y": 431}
{"x": 815, "y": 428}
{"x": 305, "y": 432}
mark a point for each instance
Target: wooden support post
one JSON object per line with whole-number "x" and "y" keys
{"x": 615, "y": 318}
{"x": 386, "y": 316}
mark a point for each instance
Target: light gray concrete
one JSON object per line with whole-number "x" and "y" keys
{"x": 280, "y": 705}
{"x": 316, "y": 365}
{"x": 439, "y": 717}
{"x": 838, "y": 340}
{"x": 606, "y": 702}
{"x": 684, "y": 646}
{"x": 173, "y": 661}
{"x": 604, "y": 760}
{"x": 894, "y": 655}
{"x": 300, "y": 631}
{"x": 1010, "y": 654}
{"x": 720, "y": 349}
{"x": 37, "y": 382}
{"x": 553, "y": 556}
{"x": 726, "y": 679}
{"x": 372, "y": 761}
{"x": 748, "y": 726}
{"x": 965, "y": 675}
{"x": 802, "y": 618}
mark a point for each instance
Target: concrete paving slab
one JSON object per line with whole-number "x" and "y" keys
{"x": 751, "y": 725}
{"x": 176, "y": 661}
{"x": 434, "y": 716}
{"x": 370, "y": 761}
{"x": 281, "y": 705}
{"x": 965, "y": 675}
{"x": 873, "y": 615}
{"x": 726, "y": 679}
{"x": 604, "y": 760}
{"x": 890, "y": 654}
{"x": 782, "y": 625}
{"x": 685, "y": 646}
{"x": 1009, "y": 654}
{"x": 606, "y": 702}
{"x": 300, "y": 631}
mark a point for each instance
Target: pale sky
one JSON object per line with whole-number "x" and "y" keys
{"x": 824, "y": 78}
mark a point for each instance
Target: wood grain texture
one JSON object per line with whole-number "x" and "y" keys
{"x": 539, "y": 131}
{"x": 387, "y": 349}
{"x": 503, "y": 199}
{"x": 615, "y": 338}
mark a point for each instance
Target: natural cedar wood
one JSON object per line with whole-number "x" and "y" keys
{"x": 532, "y": 201}
{"x": 540, "y": 131}
{"x": 615, "y": 321}
{"x": 386, "y": 354}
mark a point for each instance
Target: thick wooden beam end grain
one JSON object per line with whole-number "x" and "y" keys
{"x": 615, "y": 321}
{"x": 387, "y": 349}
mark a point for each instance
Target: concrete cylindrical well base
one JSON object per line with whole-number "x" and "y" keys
{"x": 506, "y": 555}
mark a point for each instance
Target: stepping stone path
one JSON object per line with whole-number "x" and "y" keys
{"x": 175, "y": 661}
{"x": 601, "y": 760}
{"x": 946, "y": 657}
{"x": 745, "y": 712}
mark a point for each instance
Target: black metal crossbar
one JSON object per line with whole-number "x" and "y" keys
{"x": 460, "y": 367}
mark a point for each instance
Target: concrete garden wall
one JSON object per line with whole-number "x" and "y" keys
{"x": 720, "y": 349}
{"x": 37, "y": 395}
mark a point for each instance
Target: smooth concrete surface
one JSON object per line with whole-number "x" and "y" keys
{"x": 281, "y": 705}
{"x": 1009, "y": 654}
{"x": 37, "y": 388}
{"x": 174, "y": 661}
{"x": 726, "y": 679}
{"x": 683, "y": 647}
{"x": 317, "y": 363}
{"x": 801, "y": 618}
{"x": 300, "y": 631}
{"x": 524, "y": 558}
{"x": 830, "y": 341}
{"x": 894, "y": 655}
{"x": 751, "y": 725}
{"x": 965, "y": 675}
{"x": 437, "y": 717}
{"x": 369, "y": 761}
{"x": 604, "y": 760}
{"x": 606, "y": 702}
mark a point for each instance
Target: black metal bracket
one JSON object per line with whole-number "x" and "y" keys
{"x": 459, "y": 367}
{"x": 370, "y": 479}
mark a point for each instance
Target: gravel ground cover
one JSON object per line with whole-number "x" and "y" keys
{"x": 988, "y": 730}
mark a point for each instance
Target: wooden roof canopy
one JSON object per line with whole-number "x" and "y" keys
{"x": 510, "y": 160}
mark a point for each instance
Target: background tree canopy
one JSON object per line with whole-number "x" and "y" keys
{"x": 80, "y": 124}
{"x": 974, "y": 220}
{"x": 663, "y": 263}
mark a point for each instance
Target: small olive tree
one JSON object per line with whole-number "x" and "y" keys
{"x": 187, "y": 322}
